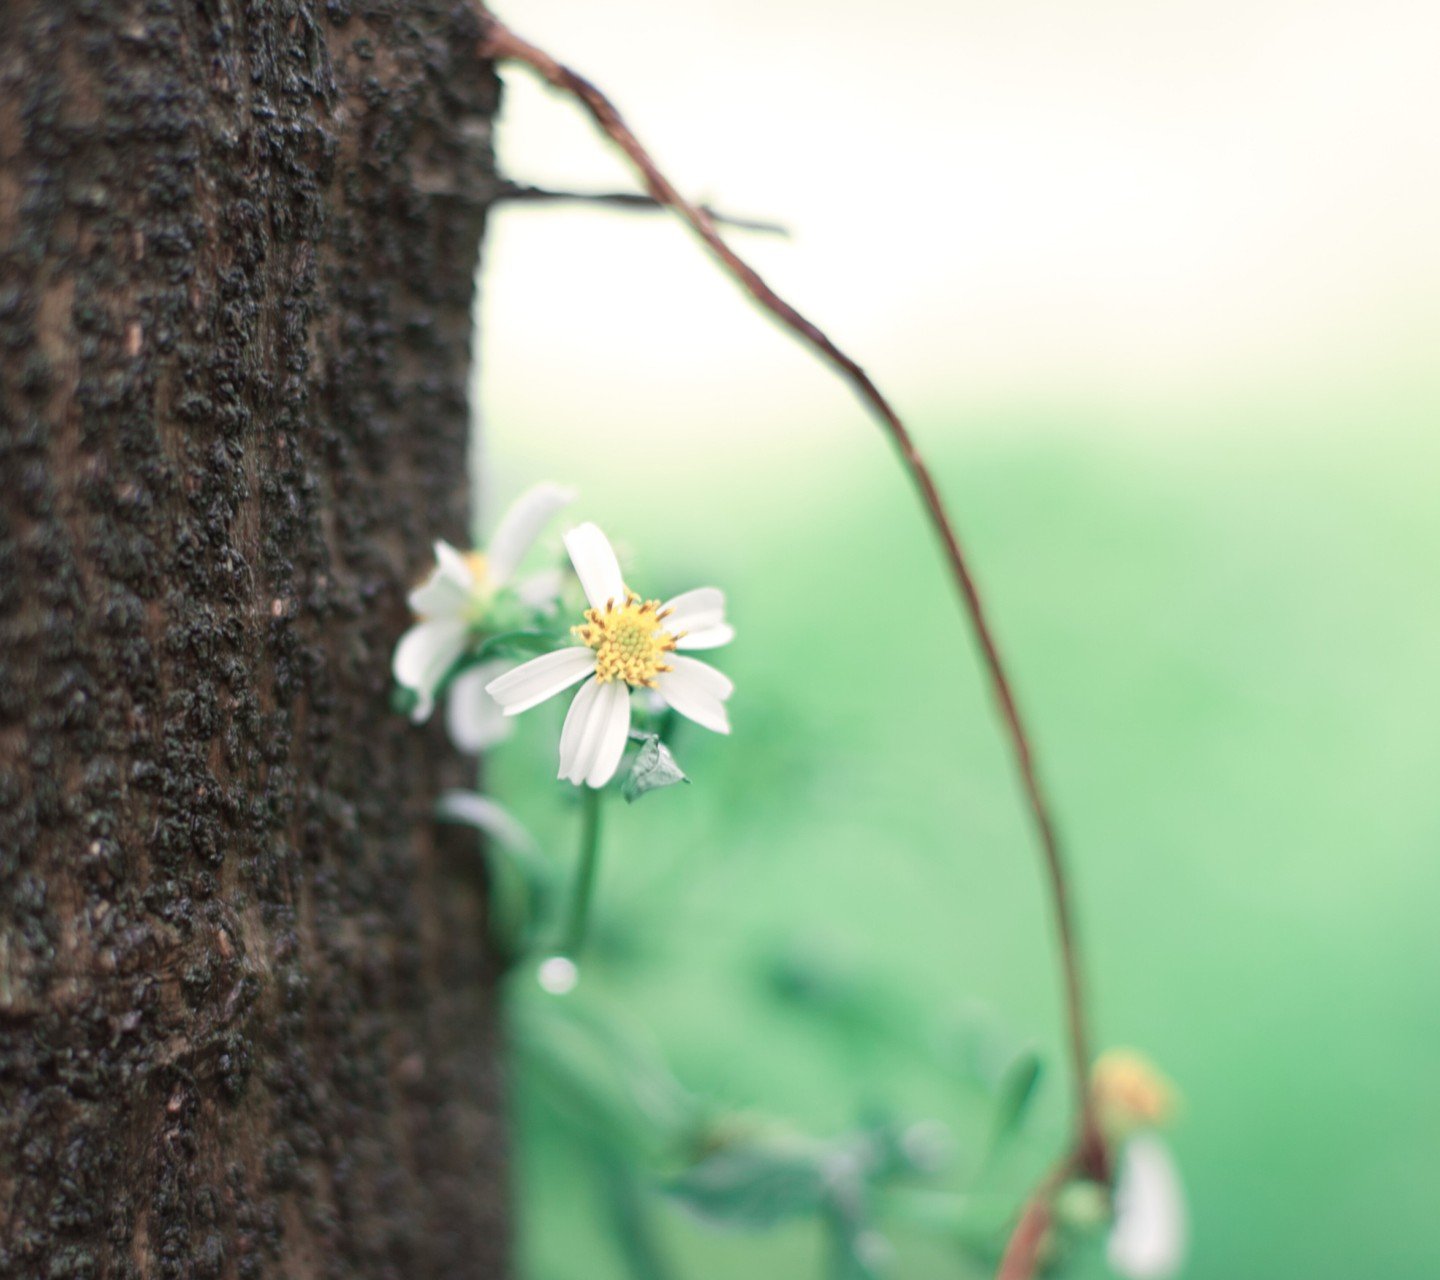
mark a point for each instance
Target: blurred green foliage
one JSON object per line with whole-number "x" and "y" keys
{"x": 1227, "y": 642}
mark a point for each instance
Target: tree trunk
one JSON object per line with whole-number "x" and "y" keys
{"x": 247, "y": 1026}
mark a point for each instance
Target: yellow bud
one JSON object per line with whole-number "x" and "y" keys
{"x": 1130, "y": 1093}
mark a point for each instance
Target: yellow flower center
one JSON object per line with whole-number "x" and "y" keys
{"x": 477, "y": 564}
{"x": 480, "y": 591}
{"x": 629, "y": 641}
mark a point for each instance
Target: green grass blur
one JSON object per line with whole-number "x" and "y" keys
{"x": 1226, "y": 642}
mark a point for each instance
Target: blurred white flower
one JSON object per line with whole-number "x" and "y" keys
{"x": 457, "y": 596}
{"x": 473, "y": 718}
{"x": 625, "y": 643}
{"x": 487, "y": 815}
{"x": 1147, "y": 1241}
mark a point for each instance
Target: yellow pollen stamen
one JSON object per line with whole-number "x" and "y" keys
{"x": 629, "y": 642}
{"x": 478, "y": 565}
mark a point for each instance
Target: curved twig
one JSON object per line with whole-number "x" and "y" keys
{"x": 1087, "y": 1155}
{"x": 1023, "y": 1250}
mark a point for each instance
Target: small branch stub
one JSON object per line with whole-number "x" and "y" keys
{"x": 524, "y": 193}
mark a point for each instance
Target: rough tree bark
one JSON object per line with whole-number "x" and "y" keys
{"x": 246, "y": 1024}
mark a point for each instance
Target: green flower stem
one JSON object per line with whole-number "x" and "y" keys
{"x": 574, "y": 936}
{"x": 631, "y": 1219}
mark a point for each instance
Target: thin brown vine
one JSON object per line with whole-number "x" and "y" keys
{"x": 1087, "y": 1155}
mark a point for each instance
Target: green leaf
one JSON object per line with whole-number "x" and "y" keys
{"x": 628, "y": 1203}
{"x": 752, "y": 1188}
{"x": 654, "y": 768}
{"x": 1014, "y": 1094}
{"x": 602, "y": 1075}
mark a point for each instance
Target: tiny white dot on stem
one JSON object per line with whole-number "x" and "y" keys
{"x": 558, "y": 975}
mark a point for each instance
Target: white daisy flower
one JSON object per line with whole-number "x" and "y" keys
{"x": 625, "y": 643}
{"x": 1148, "y": 1239}
{"x": 455, "y": 599}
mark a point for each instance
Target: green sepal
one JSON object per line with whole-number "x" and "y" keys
{"x": 654, "y": 767}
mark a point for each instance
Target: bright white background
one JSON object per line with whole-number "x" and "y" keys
{"x": 1124, "y": 204}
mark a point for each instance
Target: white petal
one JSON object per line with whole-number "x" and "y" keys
{"x": 472, "y": 716}
{"x": 540, "y": 678}
{"x": 596, "y": 735}
{"x": 1147, "y": 1241}
{"x": 695, "y": 610}
{"x": 425, "y": 653}
{"x": 539, "y": 590}
{"x": 694, "y": 690}
{"x": 586, "y": 733}
{"x": 448, "y": 588}
{"x": 612, "y": 709}
{"x": 716, "y": 683}
{"x": 595, "y": 564}
{"x": 573, "y": 732}
{"x": 521, "y": 525}
{"x": 483, "y": 813}
{"x": 706, "y": 638}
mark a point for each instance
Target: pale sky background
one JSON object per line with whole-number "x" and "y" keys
{"x": 1035, "y": 202}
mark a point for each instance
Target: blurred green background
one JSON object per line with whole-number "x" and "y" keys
{"x": 1157, "y": 287}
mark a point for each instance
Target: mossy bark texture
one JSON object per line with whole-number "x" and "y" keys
{"x": 246, "y": 1023}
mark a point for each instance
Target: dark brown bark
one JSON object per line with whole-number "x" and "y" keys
{"x": 246, "y": 1025}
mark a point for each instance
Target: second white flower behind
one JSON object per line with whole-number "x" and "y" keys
{"x": 458, "y": 602}
{"x": 625, "y": 643}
